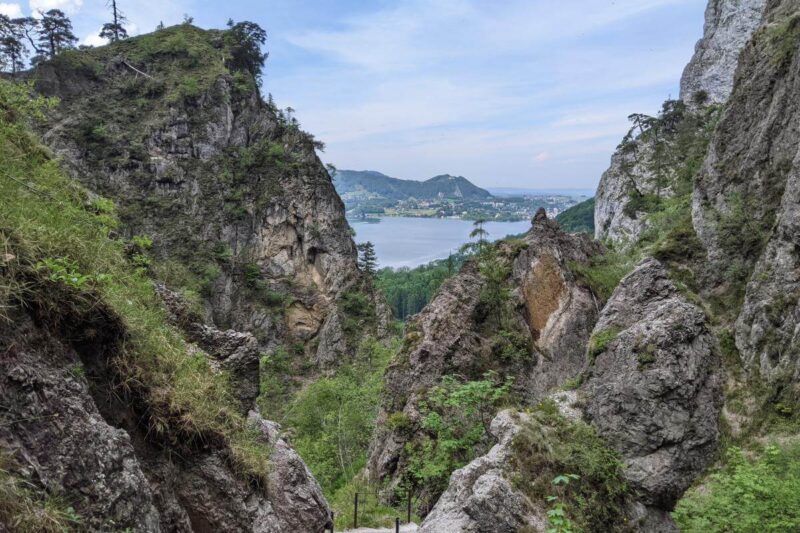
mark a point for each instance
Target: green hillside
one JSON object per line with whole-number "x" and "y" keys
{"x": 368, "y": 184}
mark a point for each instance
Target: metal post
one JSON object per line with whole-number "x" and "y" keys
{"x": 355, "y": 512}
{"x": 396, "y": 524}
{"x": 408, "y": 511}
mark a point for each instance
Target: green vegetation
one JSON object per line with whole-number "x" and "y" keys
{"x": 578, "y": 218}
{"x": 599, "y": 341}
{"x": 65, "y": 260}
{"x": 550, "y": 448}
{"x": 782, "y": 39}
{"x": 603, "y": 273}
{"x": 752, "y": 493}
{"x": 456, "y": 416}
{"x": 408, "y": 291}
{"x": 26, "y": 509}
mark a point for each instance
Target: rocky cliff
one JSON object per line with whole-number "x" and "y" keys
{"x": 239, "y": 208}
{"x": 658, "y": 158}
{"x": 745, "y": 198}
{"x": 537, "y": 336}
{"x": 728, "y": 26}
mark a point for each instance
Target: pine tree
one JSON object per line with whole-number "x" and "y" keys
{"x": 114, "y": 30}
{"x": 12, "y": 46}
{"x": 55, "y": 33}
{"x": 480, "y": 233}
{"x": 367, "y": 260}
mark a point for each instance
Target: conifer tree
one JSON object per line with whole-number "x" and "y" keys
{"x": 55, "y": 33}
{"x": 367, "y": 260}
{"x": 12, "y": 46}
{"x": 480, "y": 233}
{"x": 114, "y": 30}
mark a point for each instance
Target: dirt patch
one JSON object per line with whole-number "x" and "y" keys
{"x": 542, "y": 291}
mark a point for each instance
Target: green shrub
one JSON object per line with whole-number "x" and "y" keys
{"x": 603, "y": 273}
{"x": 599, "y": 341}
{"x": 456, "y": 416}
{"x": 748, "y": 495}
{"x": 550, "y": 447}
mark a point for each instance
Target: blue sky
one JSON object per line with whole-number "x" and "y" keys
{"x": 531, "y": 93}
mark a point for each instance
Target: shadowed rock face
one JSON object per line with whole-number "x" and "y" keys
{"x": 450, "y": 336}
{"x": 654, "y": 392}
{"x": 746, "y": 197}
{"x": 729, "y": 25}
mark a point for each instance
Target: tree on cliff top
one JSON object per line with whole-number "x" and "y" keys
{"x": 245, "y": 40}
{"x": 114, "y": 30}
{"x": 55, "y": 32}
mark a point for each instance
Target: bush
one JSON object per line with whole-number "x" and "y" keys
{"x": 603, "y": 273}
{"x": 550, "y": 448}
{"x": 748, "y": 495}
{"x": 599, "y": 342}
{"x": 456, "y": 416}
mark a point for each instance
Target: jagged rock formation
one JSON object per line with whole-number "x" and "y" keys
{"x": 646, "y": 168}
{"x": 64, "y": 423}
{"x": 653, "y": 390}
{"x": 480, "y": 497}
{"x": 547, "y": 305}
{"x": 238, "y": 205}
{"x": 729, "y": 25}
{"x": 745, "y": 199}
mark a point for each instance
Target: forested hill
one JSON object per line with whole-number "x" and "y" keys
{"x": 371, "y": 184}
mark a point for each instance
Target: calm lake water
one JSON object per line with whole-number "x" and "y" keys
{"x": 410, "y": 242}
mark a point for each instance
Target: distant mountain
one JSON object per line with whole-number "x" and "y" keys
{"x": 368, "y": 184}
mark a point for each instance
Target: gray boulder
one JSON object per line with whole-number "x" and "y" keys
{"x": 653, "y": 389}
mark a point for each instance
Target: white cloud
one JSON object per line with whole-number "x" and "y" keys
{"x": 68, "y": 6}
{"x": 541, "y": 157}
{"x": 94, "y": 39}
{"x": 11, "y": 10}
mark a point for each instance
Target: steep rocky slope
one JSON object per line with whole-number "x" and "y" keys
{"x": 537, "y": 335}
{"x": 729, "y": 25}
{"x": 645, "y": 167}
{"x": 111, "y": 418}
{"x": 240, "y": 210}
{"x": 745, "y": 199}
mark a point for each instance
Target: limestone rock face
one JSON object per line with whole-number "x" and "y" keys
{"x": 547, "y": 305}
{"x": 728, "y": 26}
{"x": 480, "y": 497}
{"x": 654, "y": 391}
{"x": 68, "y": 431}
{"x": 51, "y": 427}
{"x": 226, "y": 185}
{"x": 745, "y": 198}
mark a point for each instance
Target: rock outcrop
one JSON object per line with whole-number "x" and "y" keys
{"x": 652, "y": 392}
{"x": 728, "y": 26}
{"x": 646, "y": 168}
{"x": 238, "y": 205}
{"x": 653, "y": 388}
{"x": 745, "y": 198}
{"x": 481, "y": 498}
{"x": 548, "y": 308}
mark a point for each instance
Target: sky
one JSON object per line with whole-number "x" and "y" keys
{"x": 511, "y": 93}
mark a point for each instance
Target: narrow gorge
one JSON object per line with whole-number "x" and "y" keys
{"x": 191, "y": 342}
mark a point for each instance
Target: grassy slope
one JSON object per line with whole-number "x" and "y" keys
{"x": 51, "y": 228}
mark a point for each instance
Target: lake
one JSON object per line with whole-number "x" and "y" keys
{"x": 410, "y": 242}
